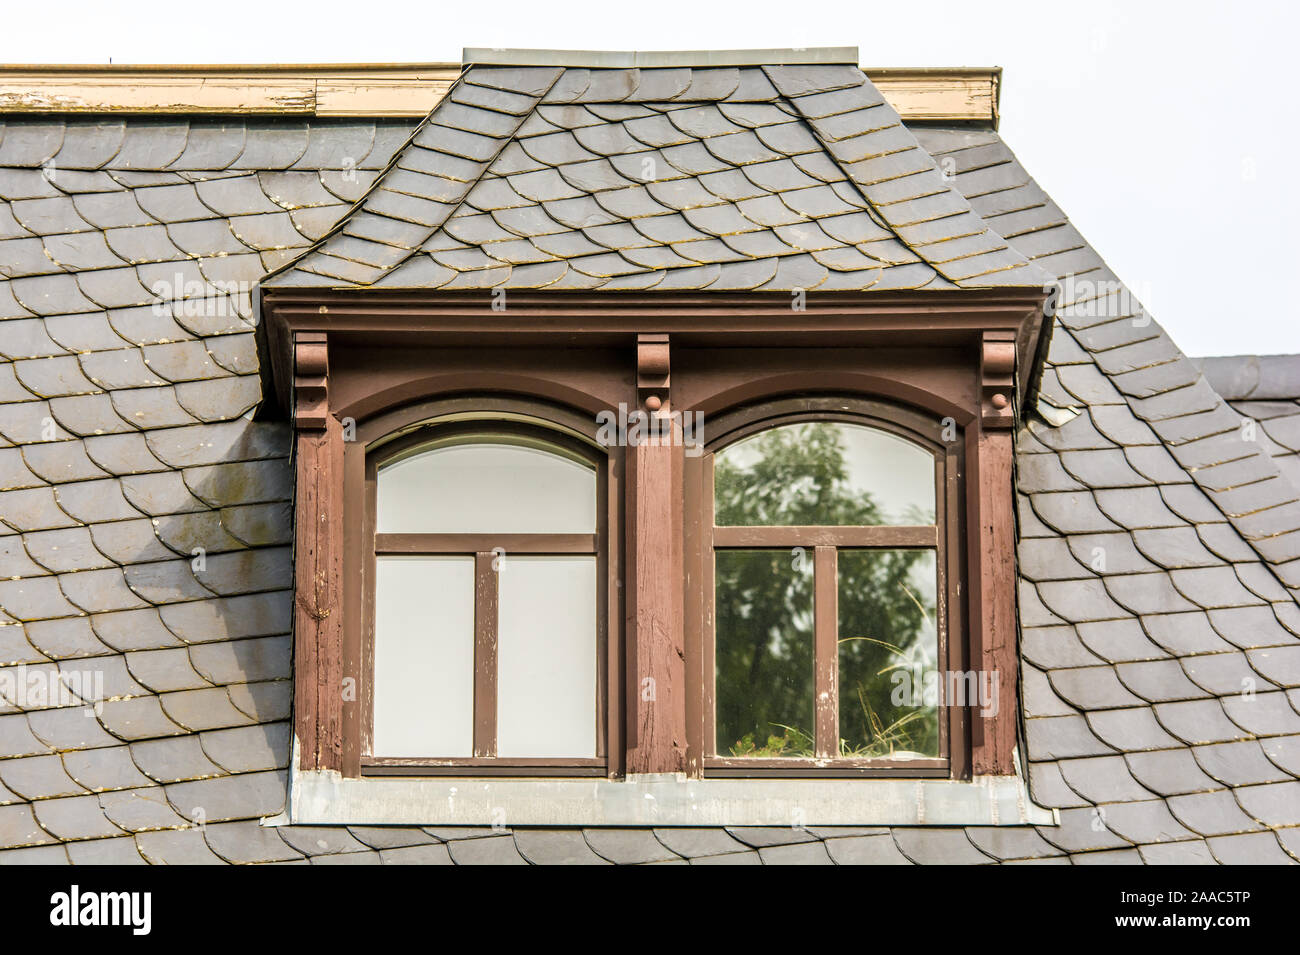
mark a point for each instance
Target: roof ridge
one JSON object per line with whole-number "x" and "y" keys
{"x": 656, "y": 59}
{"x": 1253, "y": 377}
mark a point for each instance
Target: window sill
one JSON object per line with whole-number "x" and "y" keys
{"x": 323, "y": 797}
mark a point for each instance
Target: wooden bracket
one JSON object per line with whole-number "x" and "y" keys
{"x": 998, "y": 379}
{"x": 318, "y": 550}
{"x": 656, "y": 701}
{"x": 653, "y": 366}
{"x": 311, "y": 368}
{"x": 992, "y": 591}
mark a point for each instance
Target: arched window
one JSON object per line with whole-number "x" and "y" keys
{"x": 486, "y": 634}
{"x": 829, "y": 614}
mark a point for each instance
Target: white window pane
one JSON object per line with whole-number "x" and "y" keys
{"x": 546, "y": 653}
{"x": 486, "y": 489}
{"x": 424, "y": 656}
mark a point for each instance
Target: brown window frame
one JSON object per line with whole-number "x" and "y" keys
{"x": 381, "y": 362}
{"x": 825, "y": 542}
{"x": 483, "y": 548}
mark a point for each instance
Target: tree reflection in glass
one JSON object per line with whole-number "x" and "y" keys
{"x": 823, "y": 473}
{"x": 764, "y": 614}
{"x": 818, "y": 473}
{"x": 887, "y": 648}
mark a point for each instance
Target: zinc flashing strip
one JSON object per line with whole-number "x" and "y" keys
{"x": 375, "y": 91}
{"x": 319, "y": 797}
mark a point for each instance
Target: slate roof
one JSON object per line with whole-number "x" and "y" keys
{"x": 720, "y": 178}
{"x": 1158, "y": 549}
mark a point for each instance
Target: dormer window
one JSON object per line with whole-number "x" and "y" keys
{"x": 786, "y": 578}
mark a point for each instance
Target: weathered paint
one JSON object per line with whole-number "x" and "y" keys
{"x": 319, "y": 797}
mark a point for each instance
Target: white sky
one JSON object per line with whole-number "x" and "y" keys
{"x": 1166, "y": 131}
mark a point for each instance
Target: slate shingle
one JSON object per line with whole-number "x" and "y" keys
{"x": 493, "y": 850}
{"x": 558, "y": 846}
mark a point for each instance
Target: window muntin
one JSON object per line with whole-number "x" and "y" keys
{"x": 502, "y": 520}
{"x": 828, "y": 620}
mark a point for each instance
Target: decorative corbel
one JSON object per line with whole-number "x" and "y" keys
{"x": 992, "y": 556}
{"x": 311, "y": 368}
{"x": 998, "y": 380}
{"x": 656, "y": 711}
{"x": 652, "y": 371}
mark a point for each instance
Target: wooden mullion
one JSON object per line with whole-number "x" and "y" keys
{"x": 485, "y": 655}
{"x": 826, "y": 651}
{"x": 656, "y": 710}
{"x": 926, "y": 535}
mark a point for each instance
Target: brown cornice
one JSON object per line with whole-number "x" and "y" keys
{"x": 910, "y": 318}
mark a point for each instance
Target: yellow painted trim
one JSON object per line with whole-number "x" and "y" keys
{"x": 361, "y": 90}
